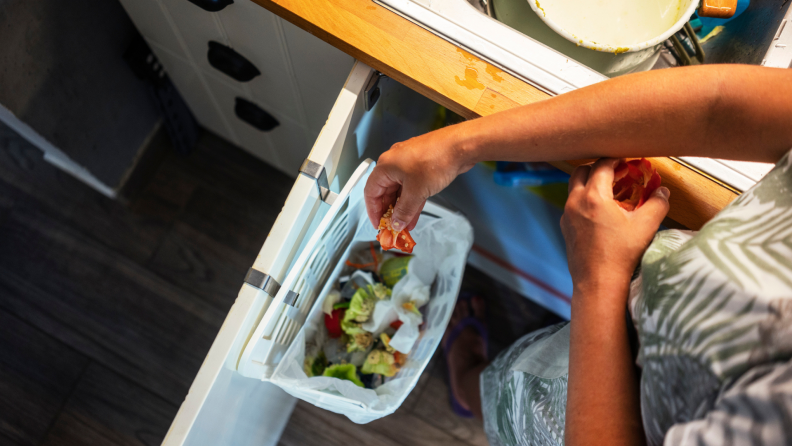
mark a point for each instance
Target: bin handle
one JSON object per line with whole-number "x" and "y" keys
{"x": 286, "y": 295}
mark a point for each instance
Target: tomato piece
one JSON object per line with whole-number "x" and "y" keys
{"x": 396, "y": 324}
{"x": 333, "y": 322}
{"x": 389, "y": 238}
{"x": 634, "y": 182}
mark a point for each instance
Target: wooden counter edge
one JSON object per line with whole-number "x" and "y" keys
{"x": 695, "y": 198}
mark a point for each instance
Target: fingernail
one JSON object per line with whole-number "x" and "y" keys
{"x": 398, "y": 224}
{"x": 664, "y": 192}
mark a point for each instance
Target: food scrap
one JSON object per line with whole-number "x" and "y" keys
{"x": 390, "y": 238}
{"x": 343, "y": 371}
{"x": 333, "y": 322}
{"x": 359, "y": 321}
{"x": 634, "y": 182}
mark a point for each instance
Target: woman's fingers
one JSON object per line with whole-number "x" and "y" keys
{"x": 379, "y": 192}
{"x": 579, "y": 178}
{"x": 408, "y": 208}
{"x": 654, "y": 210}
{"x": 601, "y": 176}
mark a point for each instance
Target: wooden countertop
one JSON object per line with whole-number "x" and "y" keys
{"x": 463, "y": 83}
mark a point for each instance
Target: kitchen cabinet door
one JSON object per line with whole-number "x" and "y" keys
{"x": 153, "y": 23}
{"x": 196, "y": 28}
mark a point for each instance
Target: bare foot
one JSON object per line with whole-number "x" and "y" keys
{"x": 467, "y": 355}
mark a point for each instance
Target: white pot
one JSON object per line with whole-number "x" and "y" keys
{"x": 517, "y": 14}
{"x": 600, "y": 18}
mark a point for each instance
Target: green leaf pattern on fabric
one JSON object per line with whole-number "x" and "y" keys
{"x": 712, "y": 305}
{"x": 710, "y": 308}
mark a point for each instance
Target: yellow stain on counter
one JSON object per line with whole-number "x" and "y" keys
{"x": 494, "y": 72}
{"x": 471, "y": 80}
{"x": 467, "y": 58}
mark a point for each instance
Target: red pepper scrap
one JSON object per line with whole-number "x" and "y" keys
{"x": 634, "y": 182}
{"x": 390, "y": 238}
{"x": 333, "y": 323}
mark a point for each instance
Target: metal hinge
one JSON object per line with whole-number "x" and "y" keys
{"x": 262, "y": 281}
{"x": 317, "y": 172}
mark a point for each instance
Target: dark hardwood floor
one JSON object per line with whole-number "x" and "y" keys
{"x": 107, "y": 308}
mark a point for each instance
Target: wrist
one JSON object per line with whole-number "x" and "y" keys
{"x": 607, "y": 292}
{"x": 467, "y": 143}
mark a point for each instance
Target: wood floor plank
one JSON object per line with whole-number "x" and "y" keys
{"x": 107, "y": 409}
{"x": 236, "y": 173}
{"x": 310, "y": 425}
{"x": 238, "y": 223}
{"x": 434, "y": 407}
{"x": 37, "y": 374}
{"x": 22, "y": 166}
{"x": 159, "y": 334}
{"x": 201, "y": 265}
{"x": 509, "y": 314}
{"x": 167, "y": 192}
{"x": 423, "y": 381}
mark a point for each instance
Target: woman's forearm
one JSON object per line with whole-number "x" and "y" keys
{"x": 603, "y": 405}
{"x": 736, "y": 112}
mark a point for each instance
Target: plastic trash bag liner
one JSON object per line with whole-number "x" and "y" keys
{"x": 434, "y": 275}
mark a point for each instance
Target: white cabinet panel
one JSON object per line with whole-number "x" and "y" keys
{"x": 291, "y": 143}
{"x": 320, "y": 70}
{"x": 187, "y": 80}
{"x": 152, "y": 23}
{"x": 250, "y": 138}
{"x": 299, "y": 82}
{"x": 197, "y": 27}
{"x": 254, "y": 32}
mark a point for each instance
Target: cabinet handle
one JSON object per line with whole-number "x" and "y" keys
{"x": 230, "y": 62}
{"x": 211, "y": 5}
{"x": 254, "y": 115}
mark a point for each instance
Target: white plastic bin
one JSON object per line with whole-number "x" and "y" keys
{"x": 275, "y": 351}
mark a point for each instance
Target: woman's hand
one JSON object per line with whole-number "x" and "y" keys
{"x": 604, "y": 242}
{"x": 413, "y": 171}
